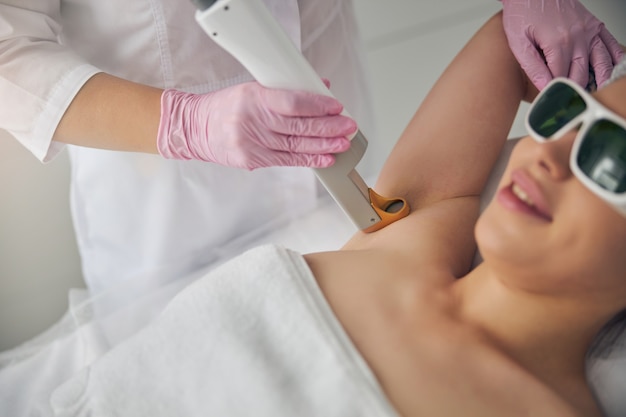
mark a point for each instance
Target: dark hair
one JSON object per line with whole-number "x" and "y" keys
{"x": 611, "y": 338}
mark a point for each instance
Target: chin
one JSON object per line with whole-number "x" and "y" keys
{"x": 499, "y": 242}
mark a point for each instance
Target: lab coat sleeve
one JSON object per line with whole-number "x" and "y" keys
{"x": 39, "y": 77}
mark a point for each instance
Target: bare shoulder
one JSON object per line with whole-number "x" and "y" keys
{"x": 427, "y": 362}
{"x": 442, "y": 369}
{"x": 391, "y": 292}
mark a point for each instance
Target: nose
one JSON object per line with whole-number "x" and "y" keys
{"x": 554, "y": 155}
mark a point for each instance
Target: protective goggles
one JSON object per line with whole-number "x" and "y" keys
{"x": 598, "y": 156}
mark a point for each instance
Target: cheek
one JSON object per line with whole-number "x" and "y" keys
{"x": 594, "y": 265}
{"x": 585, "y": 250}
{"x": 604, "y": 249}
{"x": 598, "y": 232}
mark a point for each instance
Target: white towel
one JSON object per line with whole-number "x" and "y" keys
{"x": 254, "y": 337}
{"x": 96, "y": 323}
{"x": 30, "y": 372}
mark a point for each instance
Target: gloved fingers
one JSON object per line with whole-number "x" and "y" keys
{"x": 601, "y": 61}
{"x": 613, "y": 46}
{"x": 579, "y": 67}
{"x": 308, "y": 145}
{"x": 252, "y": 161}
{"x": 559, "y": 60}
{"x": 300, "y": 103}
{"x": 300, "y": 160}
{"x": 286, "y": 159}
{"x": 533, "y": 63}
{"x": 320, "y": 127}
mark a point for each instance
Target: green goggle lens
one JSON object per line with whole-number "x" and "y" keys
{"x": 602, "y": 155}
{"x": 545, "y": 120}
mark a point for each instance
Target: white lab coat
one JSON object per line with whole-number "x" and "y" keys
{"x": 138, "y": 216}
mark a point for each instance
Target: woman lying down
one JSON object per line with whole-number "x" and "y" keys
{"x": 395, "y": 323}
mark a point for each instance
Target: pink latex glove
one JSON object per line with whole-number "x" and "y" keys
{"x": 249, "y": 126}
{"x": 552, "y": 38}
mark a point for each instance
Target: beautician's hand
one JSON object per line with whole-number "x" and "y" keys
{"x": 249, "y": 126}
{"x": 553, "y": 38}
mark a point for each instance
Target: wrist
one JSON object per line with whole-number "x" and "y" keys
{"x": 180, "y": 125}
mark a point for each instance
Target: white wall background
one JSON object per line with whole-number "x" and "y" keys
{"x": 408, "y": 43}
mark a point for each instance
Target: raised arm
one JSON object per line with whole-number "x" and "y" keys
{"x": 443, "y": 158}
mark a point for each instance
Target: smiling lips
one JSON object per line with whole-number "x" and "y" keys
{"x": 524, "y": 195}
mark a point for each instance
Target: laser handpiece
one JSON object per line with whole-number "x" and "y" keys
{"x": 248, "y": 31}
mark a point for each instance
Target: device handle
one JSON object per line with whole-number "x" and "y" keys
{"x": 249, "y": 32}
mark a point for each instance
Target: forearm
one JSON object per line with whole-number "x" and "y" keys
{"x": 112, "y": 113}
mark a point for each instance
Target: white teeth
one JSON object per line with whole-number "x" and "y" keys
{"x": 522, "y": 195}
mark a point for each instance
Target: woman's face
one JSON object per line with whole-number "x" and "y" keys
{"x": 543, "y": 222}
